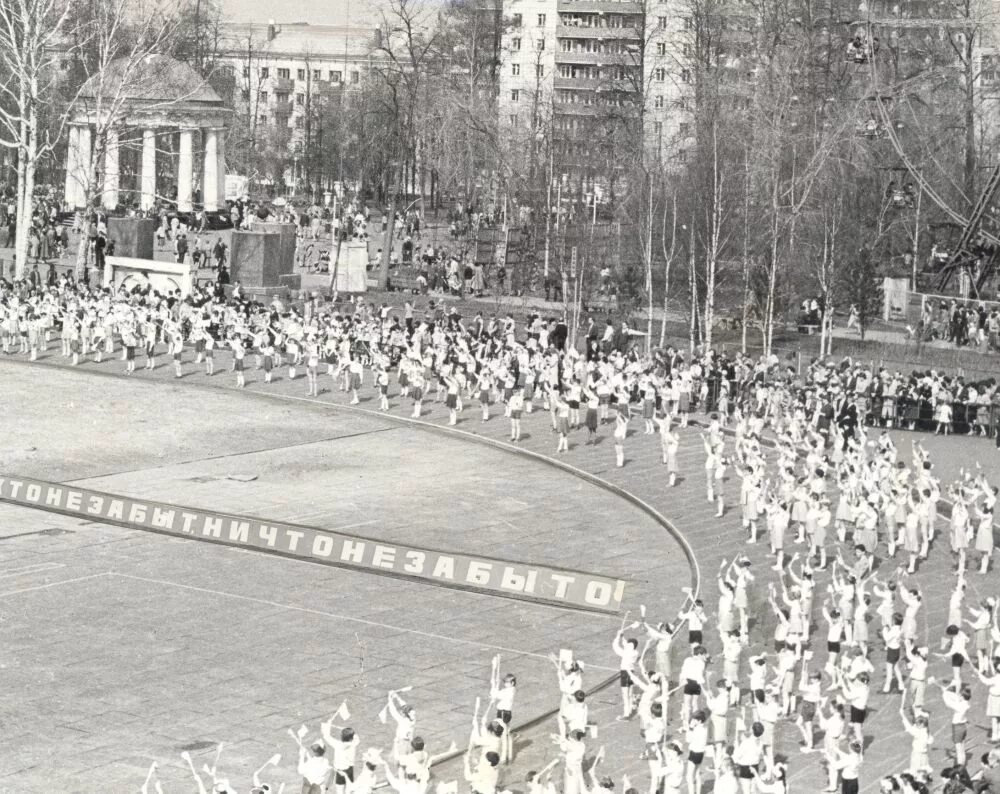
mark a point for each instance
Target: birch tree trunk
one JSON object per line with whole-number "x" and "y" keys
{"x": 668, "y": 258}
{"x": 745, "y": 319}
{"x": 772, "y": 275}
{"x": 712, "y": 257}
{"x": 23, "y": 200}
{"x": 693, "y": 284}
{"x": 649, "y": 267}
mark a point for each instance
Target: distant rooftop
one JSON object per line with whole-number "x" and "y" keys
{"x": 155, "y": 79}
{"x": 299, "y": 38}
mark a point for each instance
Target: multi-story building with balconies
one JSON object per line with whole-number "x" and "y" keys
{"x": 588, "y": 87}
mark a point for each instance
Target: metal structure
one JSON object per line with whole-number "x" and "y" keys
{"x": 977, "y": 250}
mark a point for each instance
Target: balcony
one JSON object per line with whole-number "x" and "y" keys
{"x": 577, "y": 109}
{"x": 282, "y": 84}
{"x": 912, "y": 12}
{"x": 598, "y": 58}
{"x": 578, "y": 83}
{"x": 597, "y": 33}
{"x": 599, "y": 109}
{"x": 603, "y": 84}
{"x": 600, "y": 7}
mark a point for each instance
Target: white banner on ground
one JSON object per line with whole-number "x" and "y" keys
{"x": 538, "y": 583}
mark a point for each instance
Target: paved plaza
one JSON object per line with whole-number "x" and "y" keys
{"x": 121, "y": 647}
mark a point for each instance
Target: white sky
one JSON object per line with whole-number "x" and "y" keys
{"x": 316, "y": 12}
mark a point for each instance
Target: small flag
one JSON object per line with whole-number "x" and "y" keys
{"x": 383, "y": 715}
{"x": 593, "y": 730}
{"x": 343, "y": 712}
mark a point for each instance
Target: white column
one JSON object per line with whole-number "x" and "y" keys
{"x": 185, "y": 170}
{"x": 83, "y": 166}
{"x": 210, "y": 184}
{"x": 71, "y": 161}
{"x": 111, "y": 185}
{"x": 148, "y": 197}
{"x": 220, "y": 175}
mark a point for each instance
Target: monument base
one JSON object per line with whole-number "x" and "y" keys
{"x": 288, "y": 289}
{"x": 352, "y": 267}
{"x": 133, "y": 237}
{"x": 131, "y": 272}
{"x": 262, "y": 258}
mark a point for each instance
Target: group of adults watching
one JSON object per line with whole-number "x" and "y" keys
{"x": 960, "y": 323}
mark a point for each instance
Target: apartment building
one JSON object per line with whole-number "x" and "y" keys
{"x": 586, "y": 85}
{"x": 279, "y": 71}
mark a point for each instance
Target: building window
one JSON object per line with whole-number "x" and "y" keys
{"x": 541, "y": 20}
{"x": 245, "y": 94}
{"x": 264, "y": 72}
{"x": 301, "y": 74}
{"x": 515, "y": 94}
{"x": 513, "y": 119}
{"x": 515, "y": 45}
{"x": 539, "y": 70}
{"x": 686, "y": 50}
{"x": 280, "y": 96}
{"x": 262, "y": 97}
{"x": 685, "y": 103}
{"x": 660, "y": 73}
{"x": 355, "y": 77}
{"x": 284, "y": 74}
{"x": 298, "y": 122}
{"x": 541, "y": 44}
{"x": 661, "y": 23}
{"x": 515, "y": 69}
{"x": 262, "y": 118}
{"x": 658, "y": 127}
{"x": 300, "y": 99}
{"x": 246, "y": 72}
{"x": 685, "y": 75}
{"x": 687, "y": 23}
{"x": 334, "y": 76}
{"x": 661, "y": 49}
{"x": 658, "y": 102}
{"x": 516, "y": 20}
{"x": 682, "y": 156}
{"x": 317, "y": 74}
{"x": 684, "y": 128}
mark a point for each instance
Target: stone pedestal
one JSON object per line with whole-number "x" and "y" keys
{"x": 133, "y": 236}
{"x": 263, "y": 258}
{"x": 286, "y": 245}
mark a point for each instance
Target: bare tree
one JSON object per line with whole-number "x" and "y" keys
{"x": 409, "y": 58}
{"x": 29, "y": 33}
{"x": 123, "y": 37}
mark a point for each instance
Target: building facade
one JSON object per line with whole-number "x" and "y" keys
{"x": 586, "y": 85}
{"x": 287, "y": 78}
